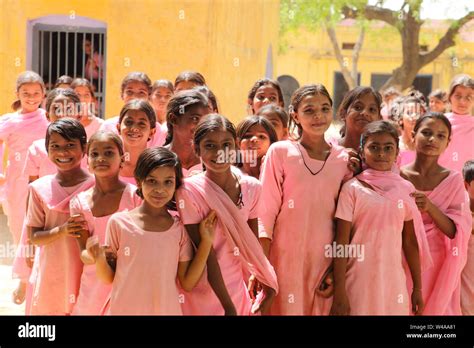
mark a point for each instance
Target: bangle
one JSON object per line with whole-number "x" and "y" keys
{"x": 416, "y": 289}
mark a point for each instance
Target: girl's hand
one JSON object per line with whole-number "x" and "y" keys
{"x": 254, "y": 286}
{"x": 354, "y": 163}
{"x": 93, "y": 247}
{"x": 207, "y": 227}
{"x": 75, "y": 227}
{"x": 422, "y": 202}
{"x": 3, "y": 179}
{"x": 326, "y": 288}
{"x": 417, "y": 302}
{"x": 30, "y": 259}
{"x": 340, "y": 305}
{"x": 269, "y": 296}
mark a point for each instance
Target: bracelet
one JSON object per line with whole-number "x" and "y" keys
{"x": 416, "y": 289}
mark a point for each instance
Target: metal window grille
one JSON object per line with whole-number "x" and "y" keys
{"x": 59, "y": 50}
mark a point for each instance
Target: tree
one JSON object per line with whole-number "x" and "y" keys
{"x": 408, "y": 23}
{"x": 316, "y": 14}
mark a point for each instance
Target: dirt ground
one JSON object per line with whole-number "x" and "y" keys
{"x": 7, "y": 284}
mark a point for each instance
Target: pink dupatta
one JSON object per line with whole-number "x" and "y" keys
{"x": 235, "y": 229}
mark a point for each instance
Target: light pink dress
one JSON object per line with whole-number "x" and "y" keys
{"x": 298, "y": 216}
{"x": 93, "y": 293}
{"x": 461, "y": 146}
{"x": 467, "y": 279}
{"x": 442, "y": 283}
{"x": 237, "y": 250}
{"x": 158, "y": 138}
{"x": 57, "y": 266}
{"x": 145, "y": 281}
{"x": 376, "y": 281}
{"x": 94, "y": 126}
{"x": 18, "y": 131}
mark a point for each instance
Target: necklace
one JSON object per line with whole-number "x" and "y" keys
{"x": 312, "y": 173}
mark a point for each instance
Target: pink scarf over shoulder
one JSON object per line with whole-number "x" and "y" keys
{"x": 235, "y": 228}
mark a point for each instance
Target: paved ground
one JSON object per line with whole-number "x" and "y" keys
{"x": 7, "y": 284}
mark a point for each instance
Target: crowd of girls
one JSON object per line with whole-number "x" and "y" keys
{"x": 170, "y": 209}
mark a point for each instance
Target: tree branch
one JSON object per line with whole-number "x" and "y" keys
{"x": 337, "y": 51}
{"x": 372, "y": 13}
{"x": 447, "y": 40}
{"x": 355, "y": 54}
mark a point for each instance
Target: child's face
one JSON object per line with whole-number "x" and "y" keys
{"x": 160, "y": 98}
{"x": 65, "y": 154}
{"x": 159, "y": 186}
{"x": 470, "y": 189}
{"x": 135, "y": 90}
{"x": 63, "y": 107}
{"x": 256, "y": 139}
{"x": 30, "y": 95}
{"x": 266, "y": 94}
{"x": 462, "y": 100}
{"x": 361, "y": 112}
{"x": 135, "y": 128}
{"x": 184, "y": 125}
{"x": 431, "y": 139}
{"x": 214, "y": 148}
{"x": 281, "y": 131}
{"x": 185, "y": 85}
{"x": 380, "y": 151}
{"x": 86, "y": 98}
{"x": 437, "y": 105}
{"x": 411, "y": 113}
{"x": 104, "y": 158}
{"x": 314, "y": 114}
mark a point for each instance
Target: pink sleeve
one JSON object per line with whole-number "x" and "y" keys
{"x": 345, "y": 203}
{"x": 256, "y": 189}
{"x": 272, "y": 192}
{"x": 189, "y": 211}
{"x": 112, "y": 235}
{"x": 35, "y": 215}
{"x": 32, "y": 162}
{"x": 185, "y": 247}
{"x": 5, "y": 127}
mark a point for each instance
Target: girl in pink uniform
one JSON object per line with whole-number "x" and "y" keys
{"x": 254, "y": 136}
{"x": 236, "y": 252}
{"x": 161, "y": 93}
{"x": 278, "y": 117}
{"x": 85, "y": 91}
{"x": 411, "y": 109}
{"x": 442, "y": 200}
{"x": 188, "y": 80}
{"x": 184, "y": 111}
{"x": 136, "y": 127}
{"x": 359, "y": 107}
{"x": 296, "y": 227}
{"x": 467, "y": 277}
{"x": 96, "y": 206}
{"x": 461, "y": 146}
{"x": 59, "y": 103}
{"x": 57, "y": 265}
{"x": 369, "y": 276}
{"x": 151, "y": 246}
{"x": 264, "y": 92}
{"x": 18, "y": 131}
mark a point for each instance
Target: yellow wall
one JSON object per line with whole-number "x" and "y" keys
{"x": 309, "y": 57}
{"x": 225, "y": 40}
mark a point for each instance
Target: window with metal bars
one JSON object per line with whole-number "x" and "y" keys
{"x": 74, "y": 51}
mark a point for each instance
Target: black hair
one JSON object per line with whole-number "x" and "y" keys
{"x": 298, "y": 96}
{"x": 136, "y": 76}
{"x": 153, "y": 158}
{"x": 192, "y": 76}
{"x": 66, "y": 93}
{"x": 69, "y": 129}
{"x": 107, "y": 134}
{"x": 139, "y": 105}
{"x": 468, "y": 171}
{"x": 64, "y": 79}
{"x": 378, "y": 127}
{"x": 278, "y": 110}
{"x": 210, "y": 96}
{"x": 436, "y": 116}
{"x": 212, "y": 122}
{"x": 263, "y": 82}
{"x": 179, "y": 104}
